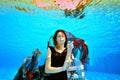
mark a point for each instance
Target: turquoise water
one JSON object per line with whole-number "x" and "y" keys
{"x": 21, "y": 33}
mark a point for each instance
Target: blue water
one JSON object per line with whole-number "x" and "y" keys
{"x": 21, "y": 33}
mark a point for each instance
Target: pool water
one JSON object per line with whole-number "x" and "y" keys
{"x": 21, "y": 33}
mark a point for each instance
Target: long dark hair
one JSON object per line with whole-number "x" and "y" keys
{"x": 55, "y": 35}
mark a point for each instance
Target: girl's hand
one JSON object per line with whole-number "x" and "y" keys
{"x": 66, "y": 65}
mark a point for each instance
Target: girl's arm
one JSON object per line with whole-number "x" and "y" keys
{"x": 69, "y": 51}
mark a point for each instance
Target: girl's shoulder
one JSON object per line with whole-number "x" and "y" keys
{"x": 51, "y": 48}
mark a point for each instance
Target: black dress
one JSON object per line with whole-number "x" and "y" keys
{"x": 57, "y": 60}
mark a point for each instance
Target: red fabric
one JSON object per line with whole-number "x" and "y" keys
{"x": 29, "y": 75}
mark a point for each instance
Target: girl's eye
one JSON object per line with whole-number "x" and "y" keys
{"x": 61, "y": 36}
{"x": 58, "y": 35}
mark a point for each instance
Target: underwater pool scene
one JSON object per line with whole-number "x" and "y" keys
{"x": 28, "y": 24}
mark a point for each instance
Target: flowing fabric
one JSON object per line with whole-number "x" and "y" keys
{"x": 80, "y": 47}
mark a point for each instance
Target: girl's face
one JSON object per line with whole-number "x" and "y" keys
{"x": 60, "y": 38}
